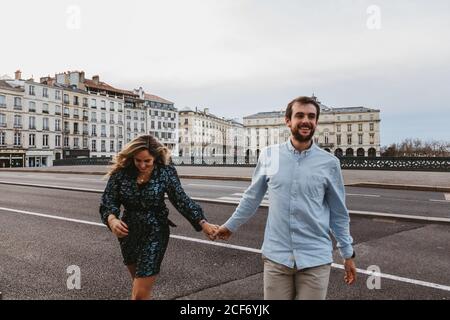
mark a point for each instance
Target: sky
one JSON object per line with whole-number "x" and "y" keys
{"x": 240, "y": 57}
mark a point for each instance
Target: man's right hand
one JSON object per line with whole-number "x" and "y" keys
{"x": 118, "y": 227}
{"x": 222, "y": 233}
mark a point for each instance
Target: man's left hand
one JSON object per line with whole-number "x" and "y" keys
{"x": 350, "y": 271}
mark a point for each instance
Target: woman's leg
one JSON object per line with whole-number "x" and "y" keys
{"x": 142, "y": 288}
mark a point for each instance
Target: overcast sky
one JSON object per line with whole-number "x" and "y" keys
{"x": 239, "y": 57}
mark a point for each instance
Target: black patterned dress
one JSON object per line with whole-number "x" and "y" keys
{"x": 146, "y": 214}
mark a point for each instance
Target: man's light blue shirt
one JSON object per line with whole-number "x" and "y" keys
{"x": 307, "y": 201}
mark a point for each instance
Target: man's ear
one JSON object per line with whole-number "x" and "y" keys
{"x": 287, "y": 121}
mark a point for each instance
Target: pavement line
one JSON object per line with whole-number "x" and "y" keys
{"x": 436, "y": 200}
{"x": 447, "y": 196}
{"x": 235, "y": 201}
{"x": 239, "y": 199}
{"x": 242, "y": 248}
{"x": 396, "y": 278}
{"x": 215, "y": 186}
{"x": 362, "y": 195}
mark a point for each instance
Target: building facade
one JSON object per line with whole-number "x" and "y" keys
{"x": 353, "y": 131}
{"x": 204, "y": 138}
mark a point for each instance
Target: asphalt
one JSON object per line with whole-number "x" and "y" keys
{"x": 36, "y": 251}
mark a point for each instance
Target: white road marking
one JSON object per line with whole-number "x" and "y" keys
{"x": 239, "y": 199}
{"x": 215, "y": 186}
{"x": 242, "y": 248}
{"x": 363, "y": 195}
{"x": 436, "y": 200}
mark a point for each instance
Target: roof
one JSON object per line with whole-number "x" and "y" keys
{"x": 154, "y": 98}
{"x": 104, "y": 86}
{"x": 5, "y": 85}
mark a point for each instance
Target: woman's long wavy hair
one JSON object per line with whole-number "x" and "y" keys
{"x": 125, "y": 158}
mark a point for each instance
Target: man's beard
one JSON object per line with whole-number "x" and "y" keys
{"x": 297, "y": 136}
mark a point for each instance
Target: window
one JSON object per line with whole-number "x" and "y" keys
{"x": 339, "y": 118}
{"x": 338, "y": 128}
{"x": 111, "y": 131}
{"x": 66, "y": 112}
{"x": 66, "y": 99}
{"x": 349, "y": 127}
{"x": 18, "y": 102}
{"x": 76, "y": 142}
{"x": 94, "y": 145}
{"x": 57, "y": 141}
{"x": 66, "y": 142}
{"x": 45, "y": 124}
{"x": 372, "y": 116}
{"x": 31, "y": 91}
{"x": 360, "y": 127}
{"x": 85, "y": 143}
{"x": 349, "y": 117}
{"x": 103, "y": 145}
{"x": 372, "y": 138}
{"x": 57, "y": 125}
{"x": 45, "y": 92}
{"x": 57, "y": 95}
{"x": 58, "y": 110}
{"x": 152, "y": 124}
{"x": 45, "y": 140}
{"x": 17, "y": 121}
{"x": 111, "y": 118}
{"x": 120, "y": 145}
{"x": 2, "y": 138}
{"x": 66, "y": 127}
{"x": 45, "y": 108}
{"x": 75, "y": 101}
{"x": 3, "y": 120}
{"x": 111, "y": 106}
{"x": 94, "y": 130}
{"x": 360, "y": 138}
{"x": 75, "y": 128}
{"x": 111, "y": 146}
{"x": 93, "y": 103}
{"x": 349, "y": 139}
{"x": 103, "y": 105}
{"x": 371, "y": 126}
{"x": 326, "y": 137}
{"x": 32, "y": 140}
{"x": 31, "y": 106}
{"x": 2, "y": 101}
{"x": 93, "y": 116}
{"x": 103, "y": 128}
{"x": 17, "y": 139}
{"x": 85, "y": 102}
{"x": 120, "y": 107}
{"x": 186, "y": 121}
{"x": 338, "y": 139}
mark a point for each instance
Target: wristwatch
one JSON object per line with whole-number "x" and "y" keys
{"x": 353, "y": 255}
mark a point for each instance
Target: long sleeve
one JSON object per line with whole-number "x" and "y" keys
{"x": 110, "y": 200}
{"x": 339, "y": 216}
{"x": 181, "y": 201}
{"x": 251, "y": 199}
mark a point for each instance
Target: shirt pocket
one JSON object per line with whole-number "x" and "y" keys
{"x": 313, "y": 187}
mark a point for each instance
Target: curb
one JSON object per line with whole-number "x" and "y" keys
{"x": 399, "y": 187}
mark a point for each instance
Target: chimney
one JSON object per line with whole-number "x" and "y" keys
{"x": 96, "y": 79}
{"x": 82, "y": 76}
{"x": 18, "y": 75}
{"x": 206, "y": 110}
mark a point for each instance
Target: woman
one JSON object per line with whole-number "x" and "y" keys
{"x": 139, "y": 178}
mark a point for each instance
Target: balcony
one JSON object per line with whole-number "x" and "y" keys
{"x": 120, "y": 136}
{"x": 85, "y": 132}
{"x": 31, "y": 110}
{"x": 111, "y": 122}
{"x": 85, "y": 105}
{"x": 103, "y": 121}
{"x": 66, "y": 115}
{"x": 76, "y": 116}
{"x": 94, "y": 120}
{"x": 45, "y": 111}
{"x": 76, "y": 132}
{"x": 112, "y": 136}
{"x": 120, "y": 122}
{"x": 45, "y": 129}
{"x": 103, "y": 135}
{"x": 66, "y": 131}
{"x": 17, "y": 126}
{"x": 3, "y": 125}
{"x": 57, "y": 113}
{"x": 85, "y": 118}
{"x": 17, "y": 107}
{"x": 2, "y": 105}
{"x": 326, "y": 145}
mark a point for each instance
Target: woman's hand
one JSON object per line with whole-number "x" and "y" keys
{"x": 118, "y": 227}
{"x": 209, "y": 229}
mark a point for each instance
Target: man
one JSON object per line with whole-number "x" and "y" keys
{"x": 307, "y": 201}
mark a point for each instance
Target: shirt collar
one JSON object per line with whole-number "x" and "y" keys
{"x": 292, "y": 149}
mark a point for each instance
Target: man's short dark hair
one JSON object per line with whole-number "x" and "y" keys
{"x": 302, "y": 100}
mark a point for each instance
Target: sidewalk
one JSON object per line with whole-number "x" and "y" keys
{"x": 410, "y": 180}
